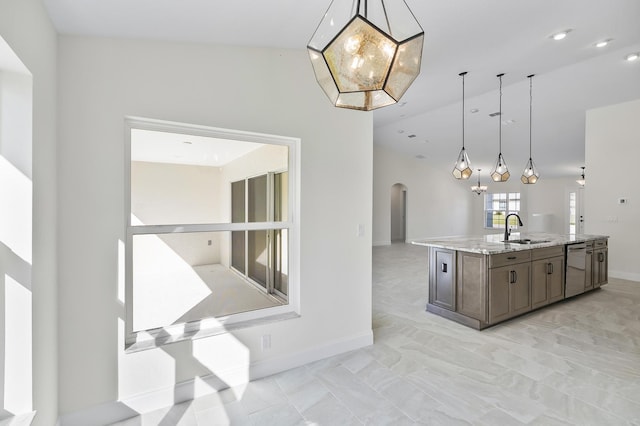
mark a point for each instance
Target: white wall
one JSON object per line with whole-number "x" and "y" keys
{"x": 163, "y": 193}
{"x": 611, "y": 145}
{"x": 439, "y": 205}
{"x": 436, "y": 206}
{"x": 550, "y": 197}
{"x": 16, "y": 190}
{"x": 262, "y": 90}
{"x": 26, "y": 28}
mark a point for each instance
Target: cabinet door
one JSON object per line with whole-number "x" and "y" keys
{"x": 519, "y": 289}
{"x": 509, "y": 291}
{"x": 555, "y": 279}
{"x": 539, "y": 283}
{"x": 442, "y": 278}
{"x": 499, "y": 282}
{"x": 588, "y": 269}
{"x": 600, "y": 267}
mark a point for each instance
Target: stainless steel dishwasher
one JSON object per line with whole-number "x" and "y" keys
{"x": 578, "y": 269}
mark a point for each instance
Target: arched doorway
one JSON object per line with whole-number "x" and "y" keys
{"x": 398, "y": 213}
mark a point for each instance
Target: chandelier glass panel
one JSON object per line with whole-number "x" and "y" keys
{"x": 365, "y": 54}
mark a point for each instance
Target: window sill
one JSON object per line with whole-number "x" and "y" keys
{"x": 156, "y": 338}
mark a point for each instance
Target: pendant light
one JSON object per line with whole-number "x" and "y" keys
{"x": 530, "y": 175}
{"x": 500, "y": 173}
{"x": 462, "y": 169}
{"x": 366, "y": 53}
{"x": 479, "y": 189}
{"x": 581, "y": 181}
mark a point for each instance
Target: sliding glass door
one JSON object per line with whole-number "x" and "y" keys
{"x": 261, "y": 255}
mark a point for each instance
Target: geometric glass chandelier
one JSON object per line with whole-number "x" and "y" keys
{"x": 479, "y": 189}
{"x": 462, "y": 169}
{"x": 530, "y": 175}
{"x": 365, "y": 54}
{"x": 500, "y": 172}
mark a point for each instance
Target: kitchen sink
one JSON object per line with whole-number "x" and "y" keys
{"x": 526, "y": 241}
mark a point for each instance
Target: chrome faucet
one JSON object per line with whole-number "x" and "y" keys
{"x": 507, "y": 231}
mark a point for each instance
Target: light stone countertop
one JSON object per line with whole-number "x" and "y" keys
{"x": 493, "y": 243}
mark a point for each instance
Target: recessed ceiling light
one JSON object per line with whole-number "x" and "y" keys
{"x": 507, "y": 122}
{"x": 632, "y": 57}
{"x": 400, "y": 131}
{"x": 604, "y": 43}
{"x": 473, "y": 110}
{"x": 560, "y": 35}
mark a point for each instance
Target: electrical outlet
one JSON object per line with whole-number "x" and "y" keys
{"x": 209, "y": 242}
{"x": 266, "y": 342}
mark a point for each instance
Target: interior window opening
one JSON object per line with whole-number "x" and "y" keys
{"x": 210, "y": 227}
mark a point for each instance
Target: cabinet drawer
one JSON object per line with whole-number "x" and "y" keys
{"x": 543, "y": 253}
{"x": 502, "y": 259}
{"x": 599, "y": 243}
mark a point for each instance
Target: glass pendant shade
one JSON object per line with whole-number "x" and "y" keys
{"x": 462, "y": 169}
{"x": 366, "y": 54}
{"x": 479, "y": 189}
{"x": 530, "y": 174}
{"x": 501, "y": 171}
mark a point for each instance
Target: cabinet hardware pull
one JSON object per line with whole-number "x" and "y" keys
{"x": 513, "y": 277}
{"x": 511, "y": 257}
{"x": 444, "y": 267}
{"x": 600, "y": 257}
{"x": 549, "y": 268}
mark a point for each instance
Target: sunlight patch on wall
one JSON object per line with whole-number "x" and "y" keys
{"x": 165, "y": 285}
{"x": 143, "y": 371}
{"x": 15, "y": 214}
{"x": 121, "y": 271}
{"x": 17, "y": 347}
{"x": 227, "y": 358}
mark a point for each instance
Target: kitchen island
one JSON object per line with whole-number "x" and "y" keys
{"x": 480, "y": 281}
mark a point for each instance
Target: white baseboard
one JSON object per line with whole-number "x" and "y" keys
{"x": 624, "y": 275}
{"x": 115, "y": 411}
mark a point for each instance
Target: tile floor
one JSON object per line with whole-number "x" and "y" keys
{"x": 573, "y": 363}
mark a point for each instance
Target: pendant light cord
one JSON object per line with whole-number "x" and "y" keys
{"x": 530, "y": 109}
{"x": 500, "y": 117}
{"x": 463, "y": 74}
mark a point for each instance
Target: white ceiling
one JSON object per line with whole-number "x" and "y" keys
{"x": 483, "y": 37}
{"x": 176, "y": 148}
